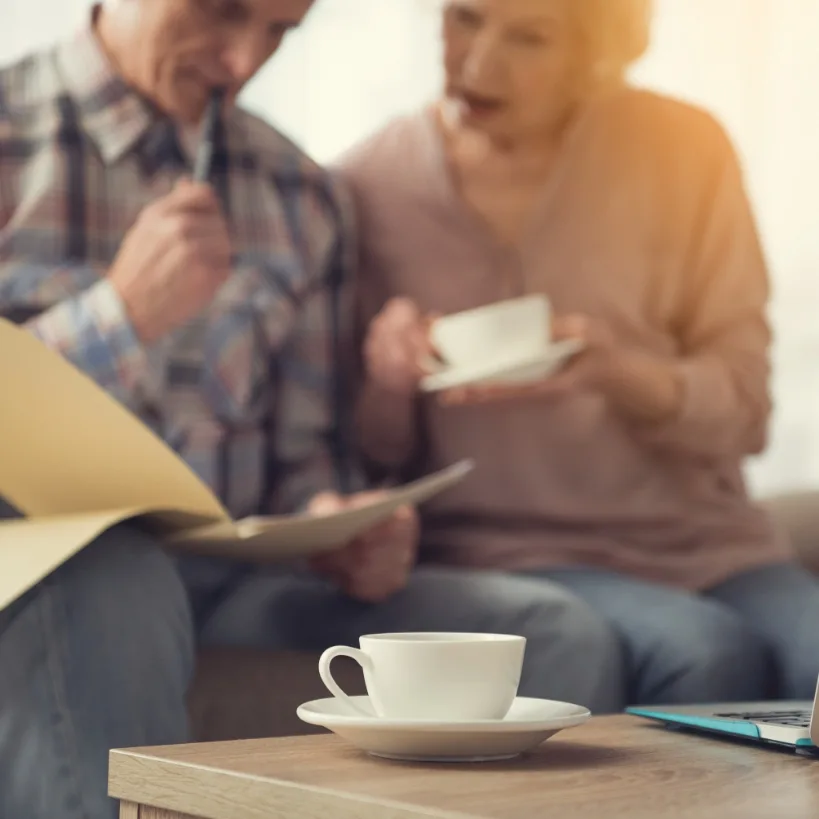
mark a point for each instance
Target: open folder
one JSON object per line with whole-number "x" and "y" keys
{"x": 75, "y": 462}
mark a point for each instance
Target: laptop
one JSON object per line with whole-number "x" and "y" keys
{"x": 789, "y": 724}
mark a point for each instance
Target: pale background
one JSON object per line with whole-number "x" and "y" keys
{"x": 754, "y": 63}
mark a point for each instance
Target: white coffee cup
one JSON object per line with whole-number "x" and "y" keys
{"x": 510, "y": 330}
{"x": 433, "y": 676}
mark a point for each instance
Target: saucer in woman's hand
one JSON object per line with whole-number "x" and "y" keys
{"x": 503, "y": 369}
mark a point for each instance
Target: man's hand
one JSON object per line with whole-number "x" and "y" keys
{"x": 173, "y": 260}
{"x": 641, "y": 385}
{"x": 376, "y": 565}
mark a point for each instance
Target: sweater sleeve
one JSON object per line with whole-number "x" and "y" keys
{"x": 724, "y": 337}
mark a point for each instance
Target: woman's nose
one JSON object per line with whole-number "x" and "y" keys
{"x": 484, "y": 61}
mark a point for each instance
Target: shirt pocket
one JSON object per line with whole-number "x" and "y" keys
{"x": 235, "y": 346}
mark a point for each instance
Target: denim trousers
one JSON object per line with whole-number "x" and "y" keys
{"x": 752, "y": 637}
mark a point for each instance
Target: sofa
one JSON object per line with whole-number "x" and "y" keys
{"x": 244, "y": 694}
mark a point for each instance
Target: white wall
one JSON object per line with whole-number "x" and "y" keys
{"x": 755, "y": 64}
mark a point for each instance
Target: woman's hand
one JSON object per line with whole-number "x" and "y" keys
{"x": 397, "y": 348}
{"x": 642, "y": 385}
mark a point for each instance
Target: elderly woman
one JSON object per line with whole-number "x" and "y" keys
{"x": 541, "y": 170}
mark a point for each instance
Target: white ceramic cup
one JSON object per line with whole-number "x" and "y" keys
{"x": 434, "y": 676}
{"x": 509, "y": 330}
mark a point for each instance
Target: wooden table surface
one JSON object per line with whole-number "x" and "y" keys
{"x": 610, "y": 767}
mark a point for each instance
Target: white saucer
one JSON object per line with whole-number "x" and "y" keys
{"x": 528, "y": 723}
{"x": 504, "y": 371}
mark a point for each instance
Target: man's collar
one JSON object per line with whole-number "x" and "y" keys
{"x": 114, "y": 115}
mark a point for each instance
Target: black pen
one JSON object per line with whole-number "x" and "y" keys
{"x": 210, "y": 123}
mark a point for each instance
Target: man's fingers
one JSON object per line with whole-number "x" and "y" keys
{"x": 375, "y": 583}
{"x": 204, "y": 226}
{"x": 377, "y": 564}
{"x": 404, "y": 514}
{"x": 393, "y": 536}
{"x": 190, "y": 197}
{"x": 398, "y": 527}
{"x": 379, "y": 536}
{"x": 377, "y": 568}
{"x": 326, "y": 503}
{"x": 360, "y": 500}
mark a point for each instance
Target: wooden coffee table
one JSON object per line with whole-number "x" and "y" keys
{"x": 610, "y": 767}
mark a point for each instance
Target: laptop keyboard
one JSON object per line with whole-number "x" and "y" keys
{"x": 795, "y": 719}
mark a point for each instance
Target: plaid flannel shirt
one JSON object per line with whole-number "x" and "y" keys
{"x": 251, "y": 393}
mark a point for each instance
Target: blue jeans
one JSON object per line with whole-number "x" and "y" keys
{"x": 101, "y": 653}
{"x": 755, "y": 636}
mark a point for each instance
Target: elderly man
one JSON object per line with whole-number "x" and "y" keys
{"x": 217, "y": 314}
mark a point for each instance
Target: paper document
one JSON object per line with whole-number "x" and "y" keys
{"x": 264, "y": 539}
{"x": 75, "y": 462}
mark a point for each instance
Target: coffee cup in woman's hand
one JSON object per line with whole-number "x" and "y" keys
{"x": 587, "y": 370}
{"x": 397, "y": 351}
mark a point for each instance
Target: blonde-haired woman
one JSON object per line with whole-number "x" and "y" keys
{"x": 541, "y": 169}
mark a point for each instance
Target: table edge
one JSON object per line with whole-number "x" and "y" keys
{"x": 211, "y": 792}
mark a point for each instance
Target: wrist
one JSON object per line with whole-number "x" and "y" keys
{"x": 140, "y": 320}
{"x": 644, "y": 387}
{"x": 393, "y": 393}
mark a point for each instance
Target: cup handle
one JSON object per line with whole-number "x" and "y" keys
{"x": 326, "y": 674}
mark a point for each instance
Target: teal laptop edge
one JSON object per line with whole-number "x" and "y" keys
{"x": 740, "y": 728}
